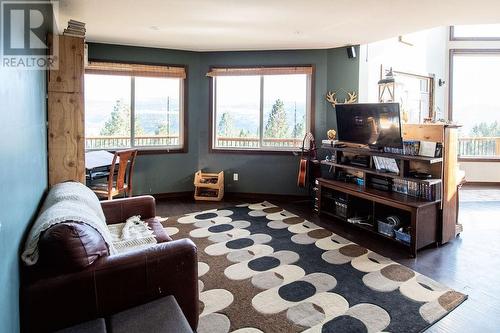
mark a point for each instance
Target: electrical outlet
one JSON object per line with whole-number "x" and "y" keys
{"x": 235, "y": 177}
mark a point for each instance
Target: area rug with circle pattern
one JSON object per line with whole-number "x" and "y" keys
{"x": 264, "y": 269}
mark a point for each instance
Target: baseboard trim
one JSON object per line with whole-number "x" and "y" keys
{"x": 266, "y": 196}
{"x": 173, "y": 195}
{"x": 237, "y": 195}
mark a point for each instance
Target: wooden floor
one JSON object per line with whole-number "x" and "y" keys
{"x": 470, "y": 263}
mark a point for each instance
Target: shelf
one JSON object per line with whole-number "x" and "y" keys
{"x": 362, "y": 227}
{"x": 208, "y": 185}
{"x": 381, "y": 173}
{"x": 373, "y": 194}
{"x": 334, "y": 215}
{"x": 366, "y": 151}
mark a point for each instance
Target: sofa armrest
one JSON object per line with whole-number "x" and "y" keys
{"x": 118, "y": 210}
{"x": 169, "y": 268}
{"x": 113, "y": 284}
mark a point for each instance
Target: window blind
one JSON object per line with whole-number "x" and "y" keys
{"x": 259, "y": 71}
{"x": 113, "y": 68}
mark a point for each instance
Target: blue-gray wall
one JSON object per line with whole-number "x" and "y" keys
{"x": 23, "y": 176}
{"x": 257, "y": 173}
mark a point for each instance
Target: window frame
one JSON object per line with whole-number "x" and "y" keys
{"x": 452, "y": 53}
{"x": 262, "y": 150}
{"x": 183, "y": 110}
{"x": 455, "y": 38}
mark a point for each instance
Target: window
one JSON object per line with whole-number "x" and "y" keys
{"x": 260, "y": 108}
{"x": 134, "y": 106}
{"x": 475, "y": 32}
{"x": 475, "y": 104}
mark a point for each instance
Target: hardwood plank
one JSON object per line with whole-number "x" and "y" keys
{"x": 69, "y": 75}
{"x": 423, "y": 132}
{"x": 65, "y": 137}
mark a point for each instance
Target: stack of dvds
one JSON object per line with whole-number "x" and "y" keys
{"x": 424, "y": 191}
{"x": 393, "y": 150}
{"x": 411, "y": 147}
{"x": 75, "y": 29}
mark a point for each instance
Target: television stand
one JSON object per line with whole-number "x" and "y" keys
{"x": 420, "y": 215}
{"x": 347, "y": 192}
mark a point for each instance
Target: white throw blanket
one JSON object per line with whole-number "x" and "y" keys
{"x": 73, "y": 191}
{"x": 132, "y": 235}
{"x": 70, "y": 201}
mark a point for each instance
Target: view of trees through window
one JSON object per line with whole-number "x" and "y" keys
{"x": 269, "y": 111}
{"x": 475, "y": 103}
{"x": 109, "y": 114}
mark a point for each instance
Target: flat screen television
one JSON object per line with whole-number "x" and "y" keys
{"x": 376, "y": 125}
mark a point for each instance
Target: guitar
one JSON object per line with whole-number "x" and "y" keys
{"x": 304, "y": 160}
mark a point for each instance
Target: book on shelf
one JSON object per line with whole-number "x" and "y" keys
{"x": 411, "y": 147}
{"x": 386, "y": 164}
{"x": 75, "y": 29}
{"x": 76, "y": 23}
{"x": 73, "y": 35}
{"x": 430, "y": 192}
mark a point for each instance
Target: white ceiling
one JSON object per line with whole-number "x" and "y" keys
{"x": 216, "y": 25}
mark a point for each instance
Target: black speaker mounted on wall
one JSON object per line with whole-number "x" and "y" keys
{"x": 351, "y": 52}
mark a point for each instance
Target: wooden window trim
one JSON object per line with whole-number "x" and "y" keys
{"x": 453, "y": 52}
{"x": 185, "y": 112}
{"x": 454, "y": 38}
{"x": 312, "y": 120}
{"x": 259, "y": 70}
{"x": 127, "y": 69}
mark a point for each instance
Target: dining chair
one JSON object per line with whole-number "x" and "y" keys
{"x": 121, "y": 181}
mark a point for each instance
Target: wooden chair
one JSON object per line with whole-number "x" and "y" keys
{"x": 114, "y": 187}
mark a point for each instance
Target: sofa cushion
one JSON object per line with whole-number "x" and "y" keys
{"x": 93, "y": 326}
{"x": 159, "y": 232}
{"x": 70, "y": 246}
{"x": 161, "y": 315}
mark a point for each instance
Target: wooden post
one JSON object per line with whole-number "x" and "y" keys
{"x": 66, "y": 129}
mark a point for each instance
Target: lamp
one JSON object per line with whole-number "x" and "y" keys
{"x": 386, "y": 87}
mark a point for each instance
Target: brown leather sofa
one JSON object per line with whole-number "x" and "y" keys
{"x": 76, "y": 280}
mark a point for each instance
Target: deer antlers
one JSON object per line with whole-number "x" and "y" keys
{"x": 332, "y": 99}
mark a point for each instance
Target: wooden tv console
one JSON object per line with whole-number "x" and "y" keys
{"x": 431, "y": 221}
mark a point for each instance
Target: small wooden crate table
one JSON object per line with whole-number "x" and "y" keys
{"x": 209, "y": 186}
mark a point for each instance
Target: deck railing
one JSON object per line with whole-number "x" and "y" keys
{"x": 109, "y": 142}
{"x": 479, "y": 146}
{"x": 467, "y": 146}
{"x": 235, "y": 142}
